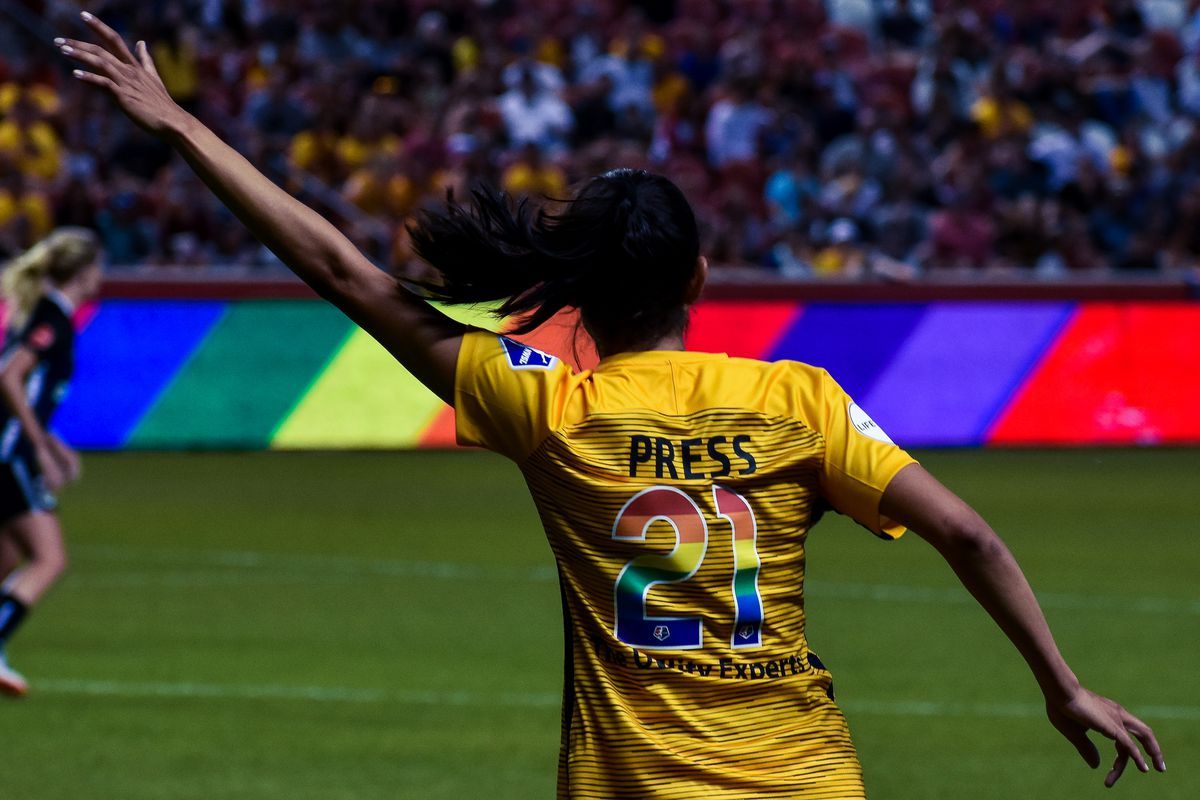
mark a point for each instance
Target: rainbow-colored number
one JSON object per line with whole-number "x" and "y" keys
{"x": 633, "y": 626}
{"x": 747, "y": 627}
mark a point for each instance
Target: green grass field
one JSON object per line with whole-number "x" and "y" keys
{"x": 363, "y": 626}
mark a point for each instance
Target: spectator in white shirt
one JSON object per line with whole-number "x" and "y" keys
{"x": 535, "y": 116}
{"x": 735, "y": 126}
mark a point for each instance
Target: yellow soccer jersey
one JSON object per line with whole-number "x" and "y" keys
{"x": 677, "y": 489}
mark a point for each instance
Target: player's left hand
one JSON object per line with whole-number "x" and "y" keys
{"x": 132, "y": 80}
{"x": 68, "y": 458}
{"x": 1088, "y": 711}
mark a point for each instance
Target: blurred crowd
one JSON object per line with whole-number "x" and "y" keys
{"x": 840, "y": 138}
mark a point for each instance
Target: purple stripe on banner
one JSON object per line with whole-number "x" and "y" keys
{"x": 125, "y": 357}
{"x": 959, "y": 369}
{"x": 854, "y": 342}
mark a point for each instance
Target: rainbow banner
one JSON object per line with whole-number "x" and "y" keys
{"x": 253, "y": 374}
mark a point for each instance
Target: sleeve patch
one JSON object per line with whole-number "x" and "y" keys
{"x": 41, "y": 337}
{"x": 863, "y": 423}
{"x": 523, "y": 357}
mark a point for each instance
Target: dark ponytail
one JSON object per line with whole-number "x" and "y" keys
{"x": 623, "y": 251}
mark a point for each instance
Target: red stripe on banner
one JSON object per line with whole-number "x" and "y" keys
{"x": 1118, "y": 374}
{"x": 741, "y": 329}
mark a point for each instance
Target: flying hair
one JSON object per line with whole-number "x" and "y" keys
{"x": 623, "y": 250}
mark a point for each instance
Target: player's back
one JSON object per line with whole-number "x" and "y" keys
{"x": 676, "y": 490}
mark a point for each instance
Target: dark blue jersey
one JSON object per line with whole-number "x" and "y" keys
{"x": 50, "y": 335}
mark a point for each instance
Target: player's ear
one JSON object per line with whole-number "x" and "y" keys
{"x": 699, "y": 278}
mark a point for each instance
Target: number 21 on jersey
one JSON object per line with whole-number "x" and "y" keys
{"x": 633, "y": 626}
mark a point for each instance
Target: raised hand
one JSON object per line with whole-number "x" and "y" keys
{"x": 131, "y": 79}
{"x": 1088, "y": 711}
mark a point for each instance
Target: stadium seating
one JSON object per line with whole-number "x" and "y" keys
{"x": 846, "y": 139}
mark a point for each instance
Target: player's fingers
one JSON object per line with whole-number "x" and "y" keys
{"x": 1126, "y": 743}
{"x": 143, "y": 54}
{"x": 79, "y": 44}
{"x": 75, "y": 48}
{"x": 1145, "y": 735}
{"x": 100, "y": 63}
{"x": 93, "y": 78}
{"x": 1087, "y": 749}
{"x": 1077, "y": 735}
{"x": 112, "y": 40}
{"x": 1118, "y": 767}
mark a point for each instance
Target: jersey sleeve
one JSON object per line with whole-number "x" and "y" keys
{"x": 507, "y": 396}
{"x": 860, "y": 461}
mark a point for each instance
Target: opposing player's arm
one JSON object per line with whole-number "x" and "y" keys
{"x": 418, "y": 335}
{"x": 917, "y": 500}
{"x": 13, "y": 375}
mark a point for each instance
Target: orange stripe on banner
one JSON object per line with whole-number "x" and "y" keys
{"x": 559, "y": 337}
{"x": 440, "y": 432}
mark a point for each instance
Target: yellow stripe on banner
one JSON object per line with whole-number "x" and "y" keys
{"x": 364, "y": 399}
{"x": 479, "y": 315}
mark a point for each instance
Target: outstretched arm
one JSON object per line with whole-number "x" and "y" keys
{"x": 918, "y": 501}
{"x": 424, "y": 340}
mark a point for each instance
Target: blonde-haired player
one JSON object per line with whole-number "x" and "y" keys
{"x": 42, "y": 288}
{"x": 676, "y": 488}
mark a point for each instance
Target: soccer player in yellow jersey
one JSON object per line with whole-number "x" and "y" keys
{"x": 676, "y": 488}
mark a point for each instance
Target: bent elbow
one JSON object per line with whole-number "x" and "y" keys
{"x": 969, "y": 535}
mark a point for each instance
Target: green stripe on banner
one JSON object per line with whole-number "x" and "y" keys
{"x": 245, "y": 376}
{"x": 365, "y": 399}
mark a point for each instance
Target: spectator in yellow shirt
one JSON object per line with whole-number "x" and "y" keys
{"x": 29, "y": 141}
{"x": 315, "y": 150}
{"x": 998, "y": 112}
{"x": 531, "y": 174}
{"x": 368, "y": 137}
{"x": 841, "y": 257}
{"x": 174, "y": 52}
{"x": 25, "y": 215}
{"x": 42, "y": 96}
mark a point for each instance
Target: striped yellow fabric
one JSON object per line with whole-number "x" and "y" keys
{"x": 677, "y": 491}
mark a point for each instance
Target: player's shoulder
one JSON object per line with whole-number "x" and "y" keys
{"x": 524, "y": 357}
{"x": 482, "y": 349}
{"x": 794, "y": 374}
{"x": 777, "y": 388}
{"x": 46, "y": 310}
{"x": 48, "y": 325}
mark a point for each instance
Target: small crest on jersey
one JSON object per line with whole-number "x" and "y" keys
{"x": 863, "y": 423}
{"x": 662, "y": 632}
{"x": 41, "y": 337}
{"x": 747, "y": 631}
{"x": 524, "y": 357}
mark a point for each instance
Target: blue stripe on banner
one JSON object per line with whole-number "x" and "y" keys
{"x": 856, "y": 343}
{"x": 124, "y": 359}
{"x": 959, "y": 368}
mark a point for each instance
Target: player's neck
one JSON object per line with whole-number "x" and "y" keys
{"x": 672, "y": 341}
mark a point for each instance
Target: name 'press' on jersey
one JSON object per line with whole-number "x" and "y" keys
{"x": 677, "y": 490}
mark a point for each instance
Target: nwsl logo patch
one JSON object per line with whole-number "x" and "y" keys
{"x": 523, "y": 357}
